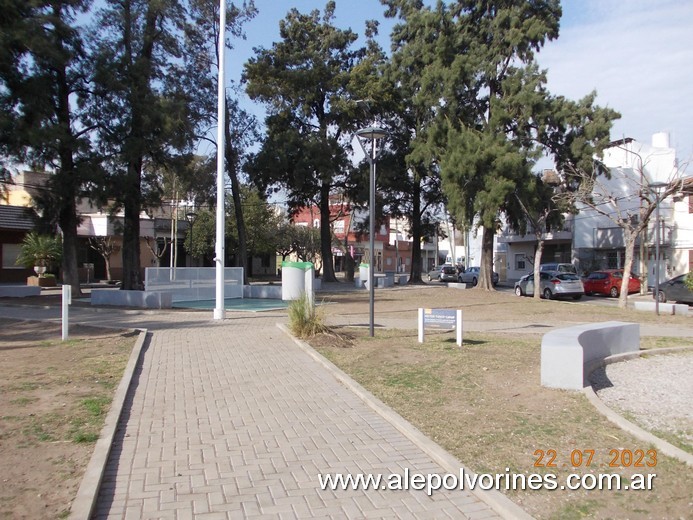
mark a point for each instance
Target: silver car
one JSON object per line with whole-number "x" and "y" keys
{"x": 443, "y": 273}
{"x": 552, "y": 285}
{"x": 472, "y": 274}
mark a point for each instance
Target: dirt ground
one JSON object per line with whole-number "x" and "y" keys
{"x": 484, "y": 402}
{"x": 54, "y": 396}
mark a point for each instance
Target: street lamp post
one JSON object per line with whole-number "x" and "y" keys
{"x": 369, "y": 137}
{"x": 190, "y": 217}
{"x": 657, "y": 187}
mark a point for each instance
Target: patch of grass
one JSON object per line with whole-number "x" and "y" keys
{"x": 577, "y": 511}
{"x": 23, "y": 401}
{"x": 87, "y": 420}
{"x": 85, "y": 437}
{"x": 96, "y": 406}
{"x": 39, "y": 431}
{"x": 484, "y": 403}
{"x": 414, "y": 379}
{"x": 653, "y": 342}
{"x": 305, "y": 319}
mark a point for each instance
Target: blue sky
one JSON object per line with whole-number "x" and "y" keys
{"x": 637, "y": 55}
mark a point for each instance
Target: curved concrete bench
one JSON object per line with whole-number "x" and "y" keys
{"x": 565, "y": 353}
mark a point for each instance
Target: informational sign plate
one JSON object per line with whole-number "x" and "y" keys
{"x": 440, "y": 318}
{"x": 444, "y": 319}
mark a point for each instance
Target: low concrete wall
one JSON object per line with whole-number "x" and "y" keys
{"x": 679, "y": 309}
{"x": 566, "y": 352}
{"x": 19, "y": 291}
{"x": 384, "y": 280}
{"x": 273, "y": 292}
{"x": 140, "y": 299}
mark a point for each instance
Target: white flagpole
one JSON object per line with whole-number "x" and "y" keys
{"x": 221, "y": 124}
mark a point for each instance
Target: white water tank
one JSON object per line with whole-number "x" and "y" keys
{"x": 660, "y": 140}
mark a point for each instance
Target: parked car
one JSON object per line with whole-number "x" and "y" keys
{"x": 561, "y": 268}
{"x": 471, "y": 275}
{"x": 608, "y": 282}
{"x": 434, "y": 274}
{"x": 675, "y": 290}
{"x": 443, "y": 273}
{"x": 553, "y": 284}
{"x": 448, "y": 273}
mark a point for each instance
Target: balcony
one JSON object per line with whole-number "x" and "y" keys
{"x": 565, "y": 233}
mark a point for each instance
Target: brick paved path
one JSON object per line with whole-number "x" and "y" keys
{"x": 233, "y": 420}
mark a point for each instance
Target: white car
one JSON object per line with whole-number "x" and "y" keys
{"x": 553, "y": 285}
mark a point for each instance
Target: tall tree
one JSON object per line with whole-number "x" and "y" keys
{"x": 303, "y": 81}
{"x": 493, "y": 91}
{"x": 412, "y": 185}
{"x": 41, "y": 59}
{"x": 141, "y": 105}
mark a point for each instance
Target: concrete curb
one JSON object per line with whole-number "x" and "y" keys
{"x": 495, "y": 499}
{"x": 85, "y": 500}
{"x": 635, "y": 430}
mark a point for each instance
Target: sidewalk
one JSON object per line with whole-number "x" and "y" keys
{"x": 232, "y": 419}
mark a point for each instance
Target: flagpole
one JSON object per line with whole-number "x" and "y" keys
{"x": 221, "y": 124}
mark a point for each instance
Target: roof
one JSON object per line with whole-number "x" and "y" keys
{"x": 18, "y": 218}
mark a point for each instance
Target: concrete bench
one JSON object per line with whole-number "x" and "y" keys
{"x": 263, "y": 291}
{"x": 140, "y": 299}
{"x": 568, "y": 354}
{"x": 384, "y": 280}
{"x": 457, "y": 285}
{"x": 19, "y": 291}
{"x": 679, "y": 309}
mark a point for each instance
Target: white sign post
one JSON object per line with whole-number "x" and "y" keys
{"x": 67, "y": 300}
{"x": 446, "y": 319}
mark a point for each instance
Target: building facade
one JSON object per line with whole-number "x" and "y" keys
{"x": 590, "y": 240}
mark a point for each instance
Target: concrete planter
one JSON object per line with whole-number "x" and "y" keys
{"x": 35, "y": 281}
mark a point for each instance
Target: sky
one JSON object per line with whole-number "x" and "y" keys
{"x": 637, "y": 55}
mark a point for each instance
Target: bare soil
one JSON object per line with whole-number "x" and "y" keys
{"x": 485, "y": 405}
{"x": 54, "y": 396}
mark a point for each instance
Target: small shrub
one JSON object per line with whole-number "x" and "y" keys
{"x": 688, "y": 281}
{"x": 305, "y": 320}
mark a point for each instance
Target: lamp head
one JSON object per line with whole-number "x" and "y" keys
{"x": 371, "y": 132}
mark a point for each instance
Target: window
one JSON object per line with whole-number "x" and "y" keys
{"x": 10, "y": 253}
{"x": 520, "y": 262}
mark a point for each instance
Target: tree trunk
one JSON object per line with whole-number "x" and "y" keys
{"x": 231, "y": 167}
{"x": 326, "y": 235}
{"x": 107, "y": 261}
{"x": 486, "y": 266}
{"x": 68, "y": 182}
{"x": 416, "y": 267}
{"x": 629, "y": 239}
{"x": 68, "y": 225}
{"x": 132, "y": 279}
{"x": 537, "y": 262}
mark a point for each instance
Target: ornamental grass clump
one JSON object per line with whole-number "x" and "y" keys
{"x": 305, "y": 320}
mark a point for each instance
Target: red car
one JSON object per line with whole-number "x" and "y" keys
{"x": 609, "y": 282}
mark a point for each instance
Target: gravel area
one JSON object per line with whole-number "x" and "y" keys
{"x": 657, "y": 391}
